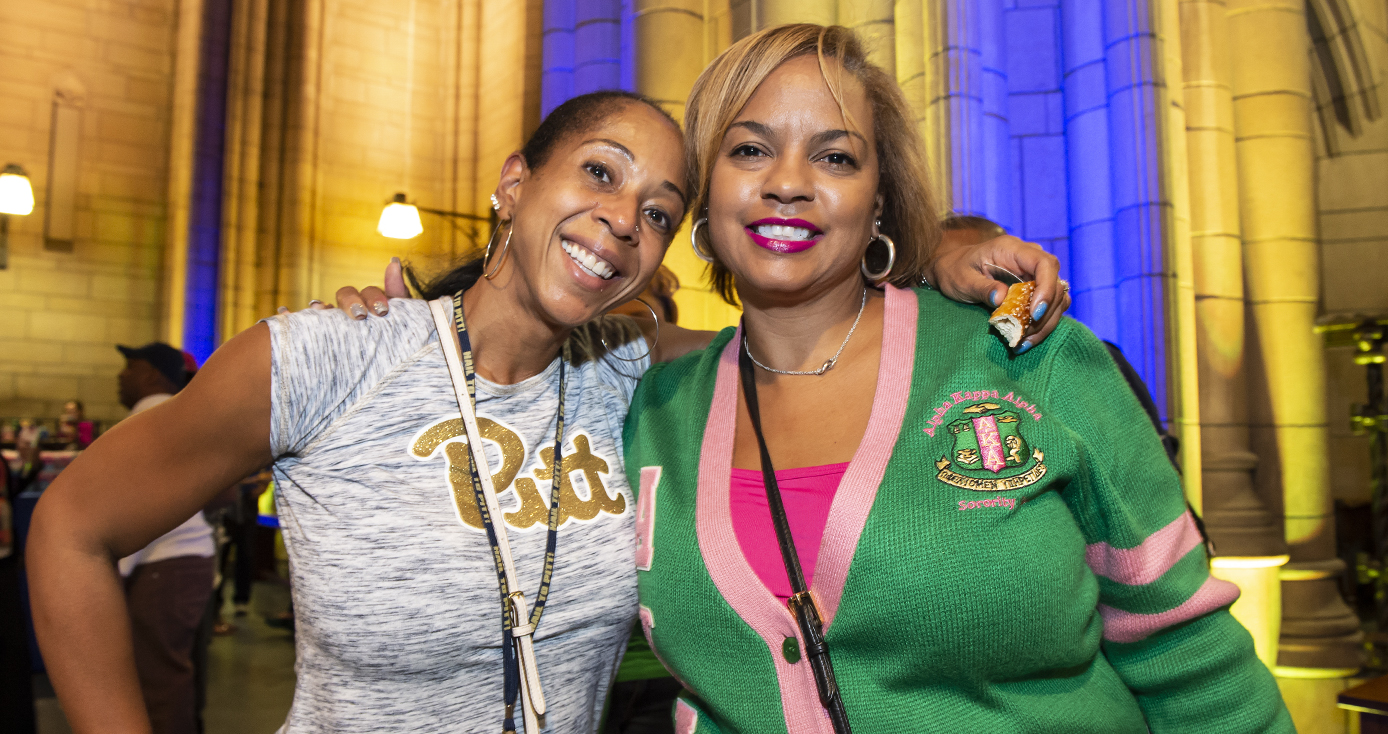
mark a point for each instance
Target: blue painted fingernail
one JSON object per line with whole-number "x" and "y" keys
{"x": 993, "y": 299}
{"x": 1022, "y": 348}
{"x": 1039, "y": 311}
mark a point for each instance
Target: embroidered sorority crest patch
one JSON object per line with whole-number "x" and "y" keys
{"x": 990, "y": 454}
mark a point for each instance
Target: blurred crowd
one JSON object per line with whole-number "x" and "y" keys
{"x": 175, "y": 586}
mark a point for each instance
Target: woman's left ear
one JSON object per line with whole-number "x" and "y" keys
{"x": 879, "y": 203}
{"x": 514, "y": 172}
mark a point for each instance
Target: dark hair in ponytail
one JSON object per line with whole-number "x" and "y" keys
{"x": 447, "y": 283}
{"x": 575, "y": 116}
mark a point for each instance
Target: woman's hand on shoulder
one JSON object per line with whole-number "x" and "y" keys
{"x": 964, "y": 273}
{"x": 372, "y": 300}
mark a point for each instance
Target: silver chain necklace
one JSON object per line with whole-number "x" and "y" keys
{"x": 828, "y": 364}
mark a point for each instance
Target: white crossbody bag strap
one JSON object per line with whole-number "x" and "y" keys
{"x": 532, "y": 695}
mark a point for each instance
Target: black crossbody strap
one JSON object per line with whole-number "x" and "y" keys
{"x": 802, "y": 604}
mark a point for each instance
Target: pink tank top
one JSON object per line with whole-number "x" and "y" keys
{"x": 808, "y": 493}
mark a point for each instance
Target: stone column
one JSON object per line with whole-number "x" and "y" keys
{"x": 182, "y": 136}
{"x": 908, "y": 37}
{"x": 874, "y": 22}
{"x": 557, "y": 42}
{"x": 501, "y": 89}
{"x": 240, "y": 199}
{"x": 1090, "y": 168}
{"x": 1184, "y": 398}
{"x": 1271, "y": 78}
{"x": 767, "y": 13}
{"x": 1247, "y": 537}
{"x": 669, "y": 50}
{"x": 597, "y": 46}
{"x": 669, "y": 57}
{"x": 955, "y": 127}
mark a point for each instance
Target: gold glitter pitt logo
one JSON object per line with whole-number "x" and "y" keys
{"x": 448, "y": 437}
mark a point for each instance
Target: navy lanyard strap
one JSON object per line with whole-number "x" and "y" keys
{"x": 510, "y": 662}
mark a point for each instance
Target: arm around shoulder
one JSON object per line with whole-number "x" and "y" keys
{"x": 141, "y": 479}
{"x": 672, "y": 341}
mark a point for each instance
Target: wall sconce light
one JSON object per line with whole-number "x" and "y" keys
{"x": 400, "y": 219}
{"x": 16, "y": 197}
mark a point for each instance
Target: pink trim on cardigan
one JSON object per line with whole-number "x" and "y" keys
{"x": 647, "y": 624}
{"x": 1150, "y": 559}
{"x": 645, "y": 518}
{"x": 722, "y": 554}
{"x": 858, "y": 489}
{"x": 686, "y": 718}
{"x": 728, "y": 568}
{"x": 1121, "y": 626}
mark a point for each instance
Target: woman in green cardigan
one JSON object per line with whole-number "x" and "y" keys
{"x": 992, "y": 541}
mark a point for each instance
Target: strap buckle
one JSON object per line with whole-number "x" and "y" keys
{"x": 522, "y": 635}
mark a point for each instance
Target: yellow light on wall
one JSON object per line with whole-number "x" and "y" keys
{"x": 16, "y": 195}
{"x": 400, "y": 220}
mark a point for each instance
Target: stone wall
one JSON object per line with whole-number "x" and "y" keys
{"x": 65, "y": 311}
{"x": 1353, "y": 202}
{"x": 366, "y": 100}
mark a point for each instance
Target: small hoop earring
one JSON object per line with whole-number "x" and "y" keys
{"x": 501, "y": 257}
{"x": 694, "y": 240}
{"x": 891, "y": 259}
{"x": 649, "y": 347}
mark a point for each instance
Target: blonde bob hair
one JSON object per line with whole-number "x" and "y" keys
{"x": 723, "y": 89}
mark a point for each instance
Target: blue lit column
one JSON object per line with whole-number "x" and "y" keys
{"x": 1035, "y": 105}
{"x": 1139, "y": 251}
{"x": 1093, "y": 278}
{"x": 205, "y": 218}
{"x": 996, "y": 154}
{"x": 557, "y": 49}
{"x": 597, "y": 46}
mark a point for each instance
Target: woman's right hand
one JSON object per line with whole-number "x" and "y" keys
{"x": 372, "y": 299}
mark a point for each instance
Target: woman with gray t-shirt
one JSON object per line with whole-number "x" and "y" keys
{"x": 399, "y": 619}
{"x": 395, "y": 587}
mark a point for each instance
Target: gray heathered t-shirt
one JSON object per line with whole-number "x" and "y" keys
{"x": 395, "y": 591}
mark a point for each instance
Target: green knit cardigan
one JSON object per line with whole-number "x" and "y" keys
{"x": 1009, "y": 551}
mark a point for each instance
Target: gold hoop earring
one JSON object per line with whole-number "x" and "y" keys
{"x": 501, "y": 256}
{"x": 877, "y": 277}
{"x": 694, "y": 240}
{"x": 649, "y": 347}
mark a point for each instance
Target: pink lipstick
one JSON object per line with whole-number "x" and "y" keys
{"x": 781, "y": 243}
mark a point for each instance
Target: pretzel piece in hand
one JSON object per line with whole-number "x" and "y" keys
{"x": 1013, "y": 317}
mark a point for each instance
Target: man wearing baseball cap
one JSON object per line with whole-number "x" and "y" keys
{"x": 168, "y": 582}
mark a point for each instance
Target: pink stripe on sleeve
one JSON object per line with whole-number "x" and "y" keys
{"x": 686, "y": 718}
{"x": 1121, "y": 626}
{"x": 1146, "y": 562}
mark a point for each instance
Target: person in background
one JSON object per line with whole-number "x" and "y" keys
{"x": 236, "y": 554}
{"x": 16, "y": 683}
{"x": 74, "y": 430}
{"x": 168, "y": 582}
